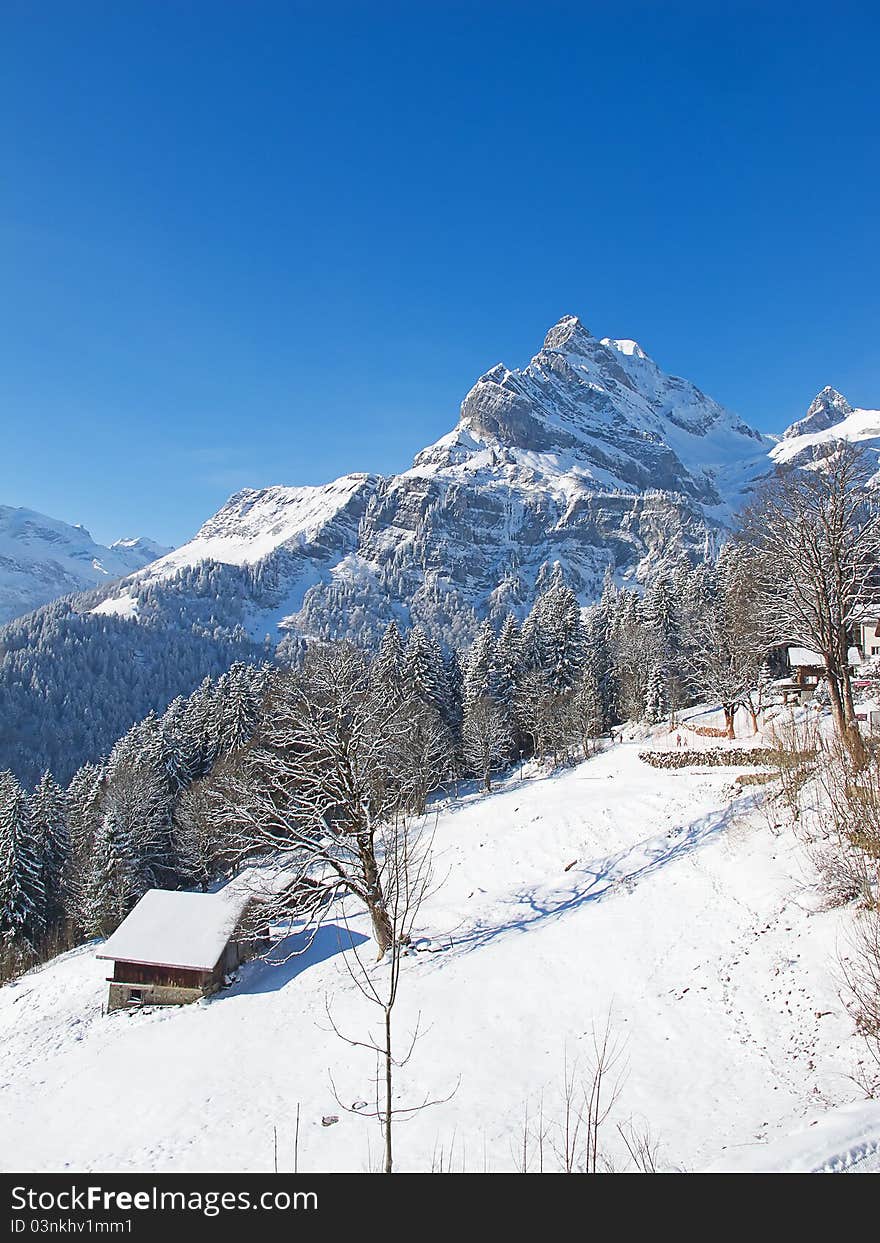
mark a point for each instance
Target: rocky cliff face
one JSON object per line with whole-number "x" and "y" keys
{"x": 591, "y": 456}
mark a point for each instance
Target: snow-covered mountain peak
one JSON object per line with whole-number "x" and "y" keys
{"x": 829, "y": 419}
{"x": 598, "y": 416}
{"x": 568, "y": 336}
{"x": 826, "y": 409}
{"x": 829, "y": 399}
{"x": 590, "y": 455}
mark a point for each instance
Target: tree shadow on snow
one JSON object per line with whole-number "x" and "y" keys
{"x": 592, "y": 882}
{"x": 291, "y": 957}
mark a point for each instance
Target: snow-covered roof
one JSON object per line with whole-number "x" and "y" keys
{"x": 804, "y": 656}
{"x": 173, "y": 928}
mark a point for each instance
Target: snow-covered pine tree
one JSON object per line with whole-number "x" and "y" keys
{"x": 564, "y": 641}
{"x": 598, "y": 669}
{"x": 452, "y": 709}
{"x": 240, "y": 693}
{"x": 199, "y": 738}
{"x": 655, "y": 697}
{"x": 22, "y": 897}
{"x": 660, "y": 611}
{"x": 480, "y": 671}
{"x": 509, "y": 663}
{"x": 138, "y": 803}
{"x": 112, "y": 885}
{"x": 388, "y": 666}
{"x": 423, "y": 668}
{"x": 588, "y": 709}
{"x": 161, "y": 753}
{"x": 48, "y": 813}
{"x": 533, "y": 647}
{"x": 84, "y": 798}
{"x": 200, "y": 836}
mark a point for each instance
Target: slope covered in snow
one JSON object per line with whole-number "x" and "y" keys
{"x": 255, "y": 523}
{"x": 42, "y": 558}
{"x": 660, "y": 898}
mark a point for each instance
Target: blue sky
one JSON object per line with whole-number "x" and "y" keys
{"x": 249, "y": 243}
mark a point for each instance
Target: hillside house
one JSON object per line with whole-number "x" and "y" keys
{"x": 868, "y": 636}
{"x": 807, "y": 671}
{"x": 175, "y": 947}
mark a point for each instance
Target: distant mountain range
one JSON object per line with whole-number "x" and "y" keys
{"x": 42, "y": 558}
{"x": 591, "y": 458}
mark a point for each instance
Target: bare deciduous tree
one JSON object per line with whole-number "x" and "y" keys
{"x": 486, "y": 739}
{"x": 850, "y": 811}
{"x": 726, "y": 648}
{"x": 407, "y": 878}
{"x": 321, "y": 782}
{"x": 816, "y": 536}
{"x": 589, "y": 1095}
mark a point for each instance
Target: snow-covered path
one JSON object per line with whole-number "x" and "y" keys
{"x": 613, "y": 888}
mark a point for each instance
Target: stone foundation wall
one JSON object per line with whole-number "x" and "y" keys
{"x": 153, "y": 995}
{"x": 734, "y": 756}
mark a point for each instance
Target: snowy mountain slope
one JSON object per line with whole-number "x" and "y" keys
{"x": 590, "y": 456}
{"x": 601, "y": 414}
{"x": 830, "y": 418}
{"x": 282, "y": 539}
{"x": 253, "y": 524}
{"x": 657, "y": 896}
{"x": 42, "y": 558}
{"x": 140, "y": 548}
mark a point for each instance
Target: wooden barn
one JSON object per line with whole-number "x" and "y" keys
{"x": 175, "y": 947}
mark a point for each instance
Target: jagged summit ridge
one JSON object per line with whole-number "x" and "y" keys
{"x": 608, "y": 414}
{"x": 568, "y": 335}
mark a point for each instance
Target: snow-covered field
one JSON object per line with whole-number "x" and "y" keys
{"x": 663, "y": 899}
